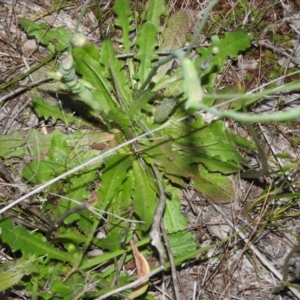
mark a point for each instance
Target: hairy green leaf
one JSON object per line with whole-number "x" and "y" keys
{"x": 44, "y": 109}
{"x": 215, "y": 165}
{"x": 34, "y": 144}
{"x": 175, "y": 33}
{"x": 124, "y": 20}
{"x": 173, "y": 219}
{"x": 77, "y": 189}
{"x": 86, "y": 222}
{"x": 181, "y": 243}
{"x": 53, "y": 163}
{"x": 38, "y": 172}
{"x": 209, "y": 144}
{"x": 213, "y": 142}
{"x": 163, "y": 111}
{"x": 174, "y": 37}
{"x": 18, "y": 144}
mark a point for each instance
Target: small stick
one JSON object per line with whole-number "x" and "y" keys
{"x": 60, "y": 219}
{"x": 155, "y": 228}
{"x": 23, "y": 89}
{"x": 155, "y": 232}
{"x": 171, "y": 259}
{"x": 162, "y": 52}
{"x": 131, "y": 285}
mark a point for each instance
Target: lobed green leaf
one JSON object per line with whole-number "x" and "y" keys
{"x": 119, "y": 118}
{"x": 147, "y": 43}
{"x": 45, "y": 110}
{"x": 114, "y": 71}
{"x": 19, "y": 238}
{"x": 141, "y": 99}
{"x": 56, "y": 39}
{"x": 209, "y": 144}
{"x": 124, "y": 20}
{"x": 154, "y": 10}
{"x": 230, "y": 46}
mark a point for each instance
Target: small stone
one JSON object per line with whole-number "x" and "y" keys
{"x": 29, "y": 45}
